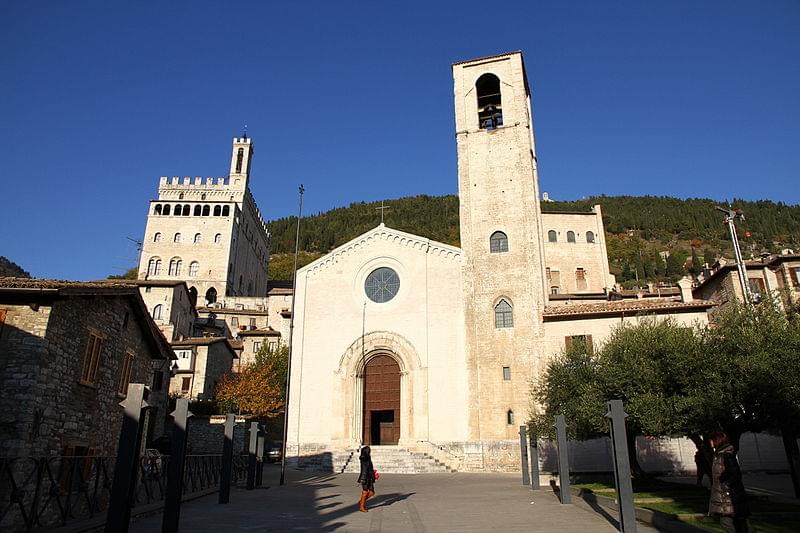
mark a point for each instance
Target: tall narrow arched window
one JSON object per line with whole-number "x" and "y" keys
{"x": 197, "y": 238}
{"x": 490, "y": 105}
{"x": 175, "y": 266}
{"x": 211, "y": 295}
{"x": 552, "y": 236}
{"x": 166, "y": 210}
{"x": 239, "y": 160}
{"x": 503, "y": 315}
{"x": 498, "y": 242}
{"x": 197, "y": 209}
{"x": 157, "y": 209}
{"x": 176, "y": 238}
{"x": 510, "y": 417}
{"x": 217, "y": 210}
{"x": 226, "y": 210}
{"x": 218, "y": 238}
{"x": 206, "y": 210}
{"x": 194, "y": 267}
{"x": 154, "y": 266}
{"x": 186, "y": 210}
{"x": 157, "y": 237}
{"x": 570, "y": 236}
{"x": 589, "y": 236}
{"x": 157, "y": 310}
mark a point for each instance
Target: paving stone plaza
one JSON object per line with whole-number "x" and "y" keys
{"x": 404, "y": 502}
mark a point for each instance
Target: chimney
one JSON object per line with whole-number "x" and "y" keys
{"x": 686, "y": 289}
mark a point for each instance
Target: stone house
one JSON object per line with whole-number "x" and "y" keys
{"x": 68, "y": 351}
{"x": 201, "y": 363}
{"x": 252, "y": 340}
{"x": 171, "y": 305}
{"x": 776, "y": 276}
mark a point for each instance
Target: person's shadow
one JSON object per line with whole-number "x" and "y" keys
{"x": 384, "y": 500}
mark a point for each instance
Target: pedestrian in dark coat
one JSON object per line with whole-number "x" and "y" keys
{"x": 728, "y": 497}
{"x": 366, "y": 478}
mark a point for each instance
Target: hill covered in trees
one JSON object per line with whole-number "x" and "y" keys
{"x": 10, "y": 268}
{"x": 649, "y": 238}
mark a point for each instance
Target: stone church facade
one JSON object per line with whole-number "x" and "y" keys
{"x": 405, "y": 341}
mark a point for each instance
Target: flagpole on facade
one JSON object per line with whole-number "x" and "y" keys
{"x": 291, "y": 331}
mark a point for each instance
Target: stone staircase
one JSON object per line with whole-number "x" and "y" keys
{"x": 390, "y": 460}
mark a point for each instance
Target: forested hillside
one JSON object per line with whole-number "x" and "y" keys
{"x": 649, "y": 238}
{"x": 10, "y": 268}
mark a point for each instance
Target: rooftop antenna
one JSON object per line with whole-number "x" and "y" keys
{"x": 244, "y": 135}
{"x": 730, "y": 217}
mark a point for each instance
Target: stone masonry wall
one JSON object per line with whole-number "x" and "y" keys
{"x": 45, "y": 408}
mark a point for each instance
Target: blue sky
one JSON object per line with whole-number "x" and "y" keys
{"x": 97, "y": 100}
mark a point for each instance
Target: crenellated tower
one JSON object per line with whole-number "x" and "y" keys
{"x": 209, "y": 232}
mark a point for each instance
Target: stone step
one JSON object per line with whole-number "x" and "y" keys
{"x": 390, "y": 460}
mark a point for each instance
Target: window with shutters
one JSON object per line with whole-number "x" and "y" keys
{"x": 581, "y": 343}
{"x": 580, "y": 279}
{"x": 91, "y": 359}
{"x": 125, "y": 374}
{"x": 256, "y": 346}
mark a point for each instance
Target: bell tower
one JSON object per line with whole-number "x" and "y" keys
{"x": 241, "y": 158}
{"x": 503, "y": 268}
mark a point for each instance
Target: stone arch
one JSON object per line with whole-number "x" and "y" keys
{"x": 350, "y": 382}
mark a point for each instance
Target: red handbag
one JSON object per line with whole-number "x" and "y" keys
{"x": 376, "y": 475}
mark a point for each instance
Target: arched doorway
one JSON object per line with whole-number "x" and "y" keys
{"x": 211, "y": 295}
{"x": 381, "y": 401}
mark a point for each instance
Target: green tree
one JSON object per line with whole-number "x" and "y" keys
{"x": 696, "y": 266}
{"x": 131, "y": 273}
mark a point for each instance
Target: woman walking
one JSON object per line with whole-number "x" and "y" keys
{"x": 366, "y": 478}
{"x": 728, "y": 498}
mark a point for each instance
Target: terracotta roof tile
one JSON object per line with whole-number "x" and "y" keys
{"x": 624, "y": 308}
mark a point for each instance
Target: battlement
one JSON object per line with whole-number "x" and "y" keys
{"x": 188, "y": 182}
{"x": 241, "y": 140}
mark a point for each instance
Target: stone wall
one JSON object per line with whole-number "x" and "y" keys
{"x": 207, "y": 435}
{"x": 44, "y": 407}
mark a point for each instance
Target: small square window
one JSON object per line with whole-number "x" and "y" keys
{"x": 252, "y": 322}
{"x": 506, "y": 373}
{"x": 234, "y": 321}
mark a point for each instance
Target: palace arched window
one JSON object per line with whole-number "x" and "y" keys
{"x": 226, "y": 210}
{"x": 239, "y": 159}
{"x": 157, "y": 209}
{"x": 570, "y": 236}
{"x": 589, "y": 236}
{"x": 552, "y": 236}
{"x": 166, "y": 210}
{"x": 186, "y": 210}
{"x": 194, "y": 267}
{"x": 175, "y": 265}
{"x": 211, "y": 295}
{"x": 197, "y": 238}
{"x": 490, "y": 105}
{"x": 154, "y": 266}
{"x": 206, "y": 210}
{"x": 157, "y": 237}
{"x": 197, "y": 209}
{"x": 157, "y": 310}
{"x": 218, "y": 238}
{"x": 217, "y": 210}
{"x": 503, "y": 315}
{"x": 498, "y": 242}
{"x": 176, "y": 238}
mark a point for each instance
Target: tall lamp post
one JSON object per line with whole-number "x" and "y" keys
{"x": 291, "y": 331}
{"x": 730, "y": 217}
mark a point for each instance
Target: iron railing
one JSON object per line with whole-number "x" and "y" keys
{"x": 45, "y": 492}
